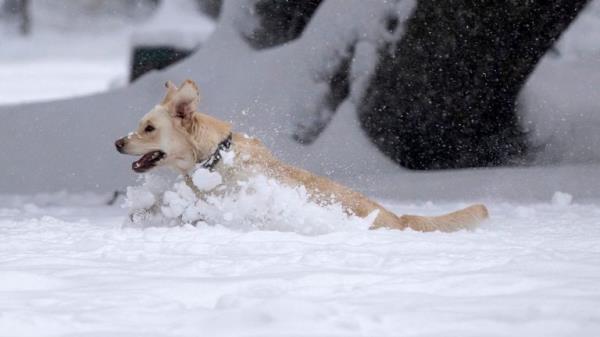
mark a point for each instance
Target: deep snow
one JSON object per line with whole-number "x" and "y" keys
{"x": 256, "y": 202}
{"x": 532, "y": 270}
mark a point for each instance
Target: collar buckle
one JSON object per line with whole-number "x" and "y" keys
{"x": 214, "y": 159}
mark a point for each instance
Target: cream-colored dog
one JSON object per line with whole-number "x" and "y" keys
{"x": 175, "y": 135}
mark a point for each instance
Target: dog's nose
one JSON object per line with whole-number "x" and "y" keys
{"x": 120, "y": 144}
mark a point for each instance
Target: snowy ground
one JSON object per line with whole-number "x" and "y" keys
{"x": 71, "y": 54}
{"x": 70, "y": 65}
{"x": 74, "y": 271}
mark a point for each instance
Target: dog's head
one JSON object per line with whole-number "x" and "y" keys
{"x": 163, "y": 136}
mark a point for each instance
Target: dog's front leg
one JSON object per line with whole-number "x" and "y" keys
{"x": 190, "y": 183}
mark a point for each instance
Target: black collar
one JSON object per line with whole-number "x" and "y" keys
{"x": 214, "y": 159}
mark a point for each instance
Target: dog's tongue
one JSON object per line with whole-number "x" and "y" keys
{"x": 147, "y": 161}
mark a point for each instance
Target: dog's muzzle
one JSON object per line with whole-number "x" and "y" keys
{"x": 120, "y": 145}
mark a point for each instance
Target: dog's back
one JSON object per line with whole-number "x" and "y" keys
{"x": 322, "y": 189}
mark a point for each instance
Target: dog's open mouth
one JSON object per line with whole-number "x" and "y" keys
{"x": 148, "y": 161}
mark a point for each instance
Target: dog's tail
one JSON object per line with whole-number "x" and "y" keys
{"x": 466, "y": 218}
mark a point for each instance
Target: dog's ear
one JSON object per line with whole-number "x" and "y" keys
{"x": 185, "y": 100}
{"x": 171, "y": 91}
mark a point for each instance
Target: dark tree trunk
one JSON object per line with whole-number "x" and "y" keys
{"x": 18, "y": 10}
{"x": 25, "y": 26}
{"x": 211, "y": 8}
{"x": 147, "y": 58}
{"x": 280, "y": 21}
{"x": 444, "y": 95}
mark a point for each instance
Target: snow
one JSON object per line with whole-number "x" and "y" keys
{"x": 206, "y": 180}
{"x": 254, "y": 203}
{"x": 176, "y": 23}
{"x": 266, "y": 261}
{"x": 561, "y": 199}
{"x": 74, "y": 270}
{"x": 87, "y": 51}
{"x": 71, "y": 65}
{"x": 579, "y": 40}
{"x": 559, "y": 104}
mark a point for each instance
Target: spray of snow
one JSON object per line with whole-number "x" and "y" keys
{"x": 561, "y": 199}
{"x": 206, "y": 180}
{"x": 257, "y": 203}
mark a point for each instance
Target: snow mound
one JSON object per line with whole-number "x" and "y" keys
{"x": 258, "y": 203}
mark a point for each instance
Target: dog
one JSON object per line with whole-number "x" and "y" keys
{"x": 174, "y": 134}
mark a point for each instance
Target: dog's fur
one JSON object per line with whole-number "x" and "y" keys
{"x": 183, "y": 137}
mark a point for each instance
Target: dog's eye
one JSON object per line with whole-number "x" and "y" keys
{"x": 149, "y": 128}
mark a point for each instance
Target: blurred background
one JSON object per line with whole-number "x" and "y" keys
{"x": 81, "y": 47}
{"x": 394, "y": 97}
